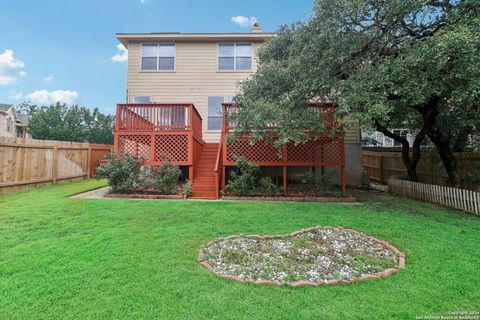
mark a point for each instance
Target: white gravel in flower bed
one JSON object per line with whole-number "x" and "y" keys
{"x": 314, "y": 255}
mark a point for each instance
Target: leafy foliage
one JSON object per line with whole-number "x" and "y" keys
{"x": 122, "y": 171}
{"x": 187, "y": 189}
{"x": 69, "y": 123}
{"x": 125, "y": 173}
{"x": 248, "y": 179}
{"x": 267, "y": 187}
{"x": 410, "y": 64}
{"x": 166, "y": 177}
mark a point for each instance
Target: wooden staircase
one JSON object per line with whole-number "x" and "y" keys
{"x": 203, "y": 184}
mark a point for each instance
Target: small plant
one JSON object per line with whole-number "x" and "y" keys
{"x": 187, "y": 189}
{"x": 166, "y": 177}
{"x": 122, "y": 171}
{"x": 267, "y": 187}
{"x": 243, "y": 181}
{"x": 248, "y": 180}
{"x": 146, "y": 179}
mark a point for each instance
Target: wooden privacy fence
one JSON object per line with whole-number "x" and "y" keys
{"x": 26, "y": 163}
{"x": 451, "y": 197}
{"x": 383, "y": 164}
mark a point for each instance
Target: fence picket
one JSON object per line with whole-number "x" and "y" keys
{"x": 430, "y": 169}
{"x": 26, "y": 163}
{"x": 461, "y": 199}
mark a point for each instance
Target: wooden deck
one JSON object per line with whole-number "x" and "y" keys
{"x": 173, "y": 132}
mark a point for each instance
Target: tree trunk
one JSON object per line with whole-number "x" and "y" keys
{"x": 410, "y": 163}
{"x": 440, "y": 140}
{"x": 412, "y": 167}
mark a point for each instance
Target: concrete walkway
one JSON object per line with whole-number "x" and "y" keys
{"x": 92, "y": 194}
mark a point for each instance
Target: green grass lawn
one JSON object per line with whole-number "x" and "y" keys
{"x": 102, "y": 259}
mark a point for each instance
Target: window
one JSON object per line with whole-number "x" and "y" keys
{"x": 214, "y": 113}
{"x": 141, "y": 99}
{"x": 9, "y": 125}
{"x": 235, "y": 56}
{"x": 158, "y": 57}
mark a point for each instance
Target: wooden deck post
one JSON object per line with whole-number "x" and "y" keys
{"x": 344, "y": 179}
{"x": 152, "y": 149}
{"x": 223, "y": 177}
{"x": 190, "y": 173}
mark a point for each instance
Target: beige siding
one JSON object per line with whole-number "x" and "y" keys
{"x": 195, "y": 79}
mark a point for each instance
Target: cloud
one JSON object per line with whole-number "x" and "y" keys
{"x": 48, "y": 78}
{"x": 143, "y": 1}
{"x": 11, "y": 69}
{"x": 44, "y": 97}
{"x": 15, "y": 95}
{"x": 243, "y": 21}
{"x": 122, "y": 54}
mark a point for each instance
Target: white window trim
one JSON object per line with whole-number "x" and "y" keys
{"x": 158, "y": 44}
{"x": 210, "y": 130}
{"x": 234, "y": 57}
{"x": 149, "y": 97}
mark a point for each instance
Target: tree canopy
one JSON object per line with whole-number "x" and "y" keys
{"x": 69, "y": 123}
{"x": 409, "y": 64}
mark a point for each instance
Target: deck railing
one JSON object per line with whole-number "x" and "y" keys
{"x": 158, "y": 132}
{"x": 158, "y": 117}
{"x": 321, "y": 149}
{"x": 325, "y": 111}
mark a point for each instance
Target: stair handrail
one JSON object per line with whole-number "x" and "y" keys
{"x": 218, "y": 164}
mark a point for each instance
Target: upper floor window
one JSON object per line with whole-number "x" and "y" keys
{"x": 235, "y": 56}
{"x": 158, "y": 56}
{"x": 9, "y": 125}
{"x": 141, "y": 99}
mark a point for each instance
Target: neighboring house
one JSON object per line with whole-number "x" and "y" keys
{"x": 178, "y": 86}
{"x": 12, "y": 125}
{"x": 389, "y": 142}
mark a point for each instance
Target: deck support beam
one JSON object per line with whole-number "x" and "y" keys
{"x": 285, "y": 178}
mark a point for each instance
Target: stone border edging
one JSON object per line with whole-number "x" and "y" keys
{"x": 293, "y": 199}
{"x": 302, "y": 283}
{"x": 143, "y": 196}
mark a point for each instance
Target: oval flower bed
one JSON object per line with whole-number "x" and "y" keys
{"x": 315, "y": 256}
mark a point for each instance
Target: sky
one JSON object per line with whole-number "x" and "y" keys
{"x": 66, "y": 50}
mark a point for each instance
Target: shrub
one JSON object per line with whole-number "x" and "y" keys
{"x": 121, "y": 170}
{"x": 244, "y": 180}
{"x": 166, "y": 177}
{"x": 146, "y": 178}
{"x": 267, "y": 187}
{"x": 187, "y": 189}
{"x": 247, "y": 179}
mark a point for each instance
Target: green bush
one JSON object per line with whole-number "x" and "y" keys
{"x": 187, "y": 189}
{"x": 248, "y": 180}
{"x": 122, "y": 171}
{"x": 267, "y": 187}
{"x": 146, "y": 180}
{"x": 166, "y": 177}
{"x": 244, "y": 180}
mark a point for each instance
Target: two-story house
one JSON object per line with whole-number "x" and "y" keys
{"x": 178, "y": 86}
{"x": 12, "y": 125}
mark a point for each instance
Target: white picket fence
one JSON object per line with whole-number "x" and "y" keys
{"x": 451, "y": 197}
